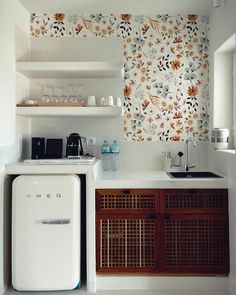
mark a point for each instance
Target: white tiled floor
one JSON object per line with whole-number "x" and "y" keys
{"x": 124, "y": 292}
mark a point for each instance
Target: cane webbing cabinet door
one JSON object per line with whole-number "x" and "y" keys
{"x": 126, "y": 244}
{"x": 195, "y": 244}
{"x": 127, "y": 230}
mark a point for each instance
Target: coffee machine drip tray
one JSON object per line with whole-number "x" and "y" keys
{"x": 86, "y": 159}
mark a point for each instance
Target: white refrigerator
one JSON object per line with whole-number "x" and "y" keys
{"x": 46, "y": 232}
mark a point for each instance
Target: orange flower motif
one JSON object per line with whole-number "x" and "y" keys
{"x": 192, "y": 17}
{"x": 104, "y": 31}
{"x": 78, "y": 29}
{"x": 145, "y": 104}
{"x": 178, "y": 39}
{"x": 127, "y": 90}
{"x": 170, "y": 106}
{"x": 175, "y": 65}
{"x": 178, "y": 115}
{"x": 139, "y": 131}
{"x": 172, "y": 125}
{"x": 190, "y": 122}
{"x": 175, "y": 138}
{"x": 126, "y": 17}
{"x": 190, "y": 46}
{"x": 37, "y": 31}
{"x": 143, "y": 70}
{"x": 143, "y": 78}
{"x": 59, "y": 16}
{"x": 192, "y": 90}
{"x": 179, "y": 131}
{"x": 129, "y": 116}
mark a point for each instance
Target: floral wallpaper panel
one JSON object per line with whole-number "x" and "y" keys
{"x": 166, "y": 68}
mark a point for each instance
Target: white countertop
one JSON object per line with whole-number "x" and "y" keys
{"x": 119, "y": 179}
{"x": 69, "y": 168}
{"x": 154, "y": 179}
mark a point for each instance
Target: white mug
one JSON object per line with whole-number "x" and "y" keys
{"x": 102, "y": 101}
{"x": 110, "y": 100}
{"x": 118, "y": 102}
{"x": 91, "y": 101}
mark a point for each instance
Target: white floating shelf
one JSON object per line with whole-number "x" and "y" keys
{"x": 64, "y": 70}
{"x": 83, "y": 112}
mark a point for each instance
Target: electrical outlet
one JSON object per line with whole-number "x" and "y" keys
{"x": 91, "y": 140}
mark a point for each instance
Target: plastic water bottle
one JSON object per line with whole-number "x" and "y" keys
{"x": 105, "y": 149}
{"x": 115, "y": 156}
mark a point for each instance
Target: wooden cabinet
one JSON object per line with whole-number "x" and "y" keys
{"x": 162, "y": 231}
{"x": 127, "y": 230}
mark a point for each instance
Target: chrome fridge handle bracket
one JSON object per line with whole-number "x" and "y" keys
{"x": 56, "y": 221}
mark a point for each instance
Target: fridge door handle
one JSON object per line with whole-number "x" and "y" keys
{"x": 56, "y": 221}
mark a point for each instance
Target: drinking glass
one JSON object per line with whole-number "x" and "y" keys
{"x": 46, "y": 94}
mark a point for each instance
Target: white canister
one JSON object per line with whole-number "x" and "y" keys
{"x": 220, "y": 138}
{"x": 91, "y": 101}
{"x": 110, "y": 100}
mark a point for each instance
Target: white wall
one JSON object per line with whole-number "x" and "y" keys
{"x": 222, "y": 27}
{"x": 11, "y": 130}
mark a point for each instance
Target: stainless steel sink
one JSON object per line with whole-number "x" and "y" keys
{"x": 194, "y": 174}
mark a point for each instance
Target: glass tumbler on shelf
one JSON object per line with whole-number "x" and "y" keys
{"x": 64, "y": 94}
{"x": 72, "y": 94}
{"x": 46, "y": 94}
{"x": 56, "y": 93}
{"x": 78, "y": 92}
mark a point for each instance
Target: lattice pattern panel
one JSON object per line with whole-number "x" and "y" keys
{"x": 127, "y": 201}
{"x": 198, "y": 200}
{"x": 195, "y": 244}
{"x": 127, "y": 243}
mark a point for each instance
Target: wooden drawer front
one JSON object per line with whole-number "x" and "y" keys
{"x": 125, "y": 244}
{"x": 195, "y": 201}
{"x": 121, "y": 200}
{"x": 196, "y": 244}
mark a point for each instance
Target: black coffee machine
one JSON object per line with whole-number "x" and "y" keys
{"x": 74, "y": 146}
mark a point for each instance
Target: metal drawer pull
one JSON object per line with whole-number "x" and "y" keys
{"x": 56, "y": 221}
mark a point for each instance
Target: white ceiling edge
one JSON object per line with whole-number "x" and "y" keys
{"x": 121, "y": 6}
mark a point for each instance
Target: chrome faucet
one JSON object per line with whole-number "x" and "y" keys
{"x": 187, "y": 165}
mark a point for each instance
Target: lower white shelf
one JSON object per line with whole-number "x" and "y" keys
{"x": 86, "y": 112}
